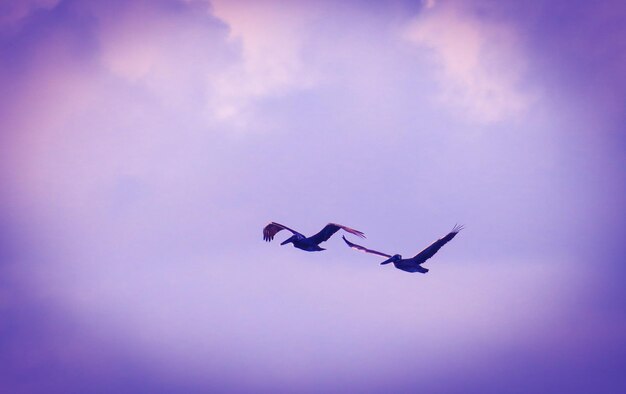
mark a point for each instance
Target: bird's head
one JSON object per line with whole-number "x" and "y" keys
{"x": 288, "y": 240}
{"x": 392, "y": 259}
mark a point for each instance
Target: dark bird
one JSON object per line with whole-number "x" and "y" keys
{"x": 310, "y": 244}
{"x": 414, "y": 264}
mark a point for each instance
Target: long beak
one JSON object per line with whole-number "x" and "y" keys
{"x": 286, "y": 241}
{"x": 389, "y": 260}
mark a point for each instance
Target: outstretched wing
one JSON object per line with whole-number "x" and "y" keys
{"x": 408, "y": 267}
{"x": 271, "y": 229}
{"x": 330, "y": 229}
{"x": 363, "y": 249}
{"x": 435, "y": 246}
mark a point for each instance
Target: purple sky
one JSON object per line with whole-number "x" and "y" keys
{"x": 145, "y": 144}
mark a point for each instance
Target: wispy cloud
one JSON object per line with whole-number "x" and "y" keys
{"x": 270, "y": 36}
{"x": 230, "y": 53}
{"x": 481, "y": 62}
{"x": 429, "y": 3}
{"x": 12, "y": 12}
{"x": 168, "y": 53}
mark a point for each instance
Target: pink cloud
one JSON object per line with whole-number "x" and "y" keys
{"x": 480, "y": 63}
{"x": 271, "y": 36}
{"x": 12, "y": 12}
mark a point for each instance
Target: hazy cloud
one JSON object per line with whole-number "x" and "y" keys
{"x": 12, "y": 12}
{"x": 481, "y": 62}
{"x": 270, "y": 35}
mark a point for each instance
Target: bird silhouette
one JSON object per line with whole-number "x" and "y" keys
{"x": 414, "y": 264}
{"x": 310, "y": 244}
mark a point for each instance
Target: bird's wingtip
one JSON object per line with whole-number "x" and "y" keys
{"x": 458, "y": 227}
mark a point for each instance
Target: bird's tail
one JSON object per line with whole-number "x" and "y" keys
{"x": 421, "y": 269}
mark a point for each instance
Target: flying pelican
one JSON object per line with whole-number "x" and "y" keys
{"x": 414, "y": 264}
{"x": 310, "y": 244}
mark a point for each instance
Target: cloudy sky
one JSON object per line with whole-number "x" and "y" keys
{"x": 145, "y": 144}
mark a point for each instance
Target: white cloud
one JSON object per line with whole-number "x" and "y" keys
{"x": 177, "y": 60}
{"x": 170, "y": 55}
{"x": 481, "y": 62}
{"x": 271, "y": 40}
